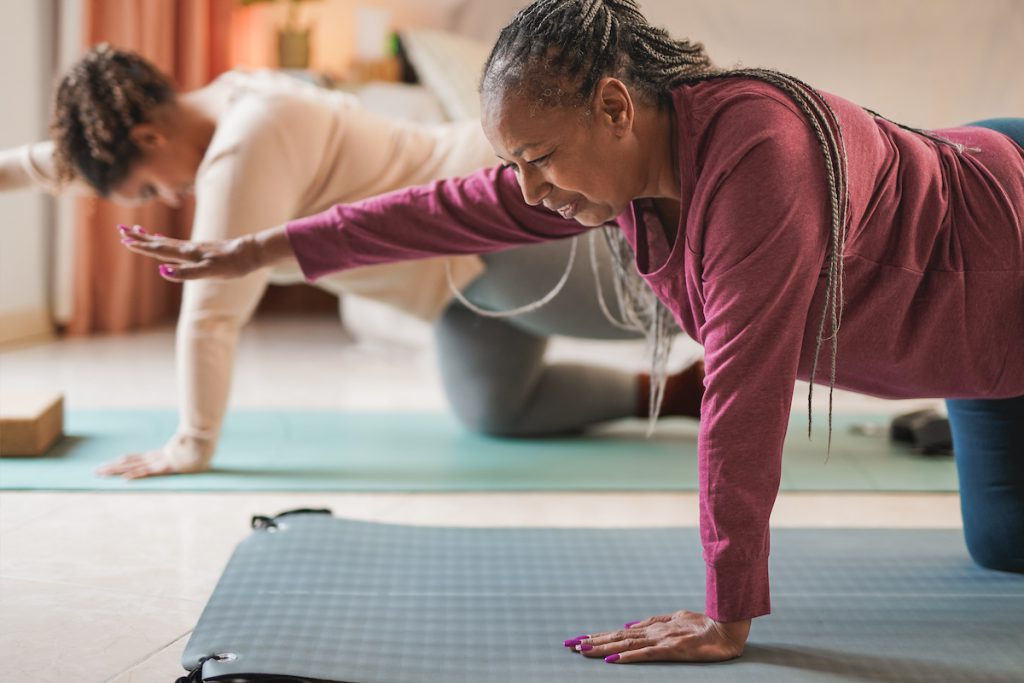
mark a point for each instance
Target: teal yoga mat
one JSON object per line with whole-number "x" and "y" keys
{"x": 408, "y": 451}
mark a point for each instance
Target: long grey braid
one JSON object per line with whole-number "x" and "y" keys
{"x": 552, "y": 43}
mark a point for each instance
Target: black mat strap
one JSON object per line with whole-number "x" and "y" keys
{"x": 265, "y": 522}
{"x": 196, "y": 674}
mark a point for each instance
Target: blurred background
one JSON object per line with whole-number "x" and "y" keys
{"x": 930, "y": 63}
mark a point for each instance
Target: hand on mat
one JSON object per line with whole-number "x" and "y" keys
{"x": 680, "y": 637}
{"x": 184, "y": 260}
{"x": 155, "y": 463}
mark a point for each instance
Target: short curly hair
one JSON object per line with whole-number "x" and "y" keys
{"x": 105, "y": 94}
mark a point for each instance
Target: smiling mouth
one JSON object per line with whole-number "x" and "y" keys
{"x": 568, "y": 211}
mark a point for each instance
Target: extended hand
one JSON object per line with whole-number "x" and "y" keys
{"x": 153, "y": 463}
{"x": 184, "y": 260}
{"x": 179, "y": 456}
{"x": 680, "y": 637}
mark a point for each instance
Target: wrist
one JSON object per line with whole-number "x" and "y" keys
{"x": 190, "y": 453}
{"x": 736, "y": 631}
{"x": 268, "y": 247}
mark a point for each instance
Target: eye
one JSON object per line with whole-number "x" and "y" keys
{"x": 540, "y": 161}
{"x": 514, "y": 167}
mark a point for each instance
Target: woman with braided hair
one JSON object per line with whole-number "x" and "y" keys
{"x": 782, "y": 227}
{"x": 261, "y": 148}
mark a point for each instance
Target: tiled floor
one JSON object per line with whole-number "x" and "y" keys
{"x": 106, "y": 587}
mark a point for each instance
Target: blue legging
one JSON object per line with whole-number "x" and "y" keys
{"x": 988, "y": 439}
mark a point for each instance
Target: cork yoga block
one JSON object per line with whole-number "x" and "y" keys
{"x": 30, "y": 423}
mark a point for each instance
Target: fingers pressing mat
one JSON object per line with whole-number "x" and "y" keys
{"x": 315, "y": 597}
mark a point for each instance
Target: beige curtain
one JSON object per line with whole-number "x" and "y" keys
{"x": 115, "y": 291}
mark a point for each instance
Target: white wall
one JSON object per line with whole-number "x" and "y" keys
{"x": 26, "y": 46}
{"x": 926, "y": 63}
{"x": 68, "y": 48}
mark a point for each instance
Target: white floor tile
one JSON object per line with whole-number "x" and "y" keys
{"x": 55, "y": 633}
{"x": 20, "y": 509}
{"x": 98, "y": 587}
{"x": 162, "y": 667}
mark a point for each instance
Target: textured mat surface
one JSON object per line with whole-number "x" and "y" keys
{"x": 324, "y": 451}
{"x": 337, "y": 600}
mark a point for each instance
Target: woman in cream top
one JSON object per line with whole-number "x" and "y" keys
{"x": 260, "y": 148}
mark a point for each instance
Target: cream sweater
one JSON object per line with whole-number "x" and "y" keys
{"x": 283, "y": 149}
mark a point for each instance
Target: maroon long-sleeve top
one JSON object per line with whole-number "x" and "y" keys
{"x": 933, "y": 289}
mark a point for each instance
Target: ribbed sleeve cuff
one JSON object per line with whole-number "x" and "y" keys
{"x": 738, "y": 591}
{"x": 313, "y": 240}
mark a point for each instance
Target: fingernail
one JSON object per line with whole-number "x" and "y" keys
{"x": 630, "y": 624}
{"x": 579, "y": 638}
{"x": 166, "y": 270}
{"x": 128, "y": 241}
{"x": 571, "y": 642}
{"x": 138, "y": 228}
{"x": 584, "y": 647}
{"x": 611, "y": 658}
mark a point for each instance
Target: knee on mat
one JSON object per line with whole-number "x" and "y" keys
{"x": 998, "y": 550}
{"x": 491, "y": 418}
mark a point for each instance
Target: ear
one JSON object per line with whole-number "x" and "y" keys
{"x": 614, "y": 105}
{"x": 147, "y": 136}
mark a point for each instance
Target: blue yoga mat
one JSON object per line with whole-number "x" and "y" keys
{"x": 408, "y": 451}
{"x": 327, "y": 599}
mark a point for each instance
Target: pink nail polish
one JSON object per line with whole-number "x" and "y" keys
{"x": 579, "y": 638}
{"x": 611, "y": 659}
{"x": 138, "y": 228}
{"x": 583, "y": 647}
{"x": 166, "y": 270}
{"x": 630, "y": 624}
{"x": 570, "y": 643}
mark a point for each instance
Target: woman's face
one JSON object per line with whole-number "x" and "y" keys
{"x": 166, "y": 171}
{"x": 574, "y": 163}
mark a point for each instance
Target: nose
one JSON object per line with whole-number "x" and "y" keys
{"x": 532, "y": 185}
{"x": 170, "y": 198}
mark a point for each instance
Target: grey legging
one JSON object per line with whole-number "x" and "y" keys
{"x": 494, "y": 370}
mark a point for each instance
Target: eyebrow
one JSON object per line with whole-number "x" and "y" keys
{"x": 519, "y": 152}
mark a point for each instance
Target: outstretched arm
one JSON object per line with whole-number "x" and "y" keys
{"x": 32, "y": 167}
{"x": 474, "y": 214}
{"x": 28, "y": 166}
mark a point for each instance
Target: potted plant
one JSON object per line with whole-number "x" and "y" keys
{"x": 292, "y": 39}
